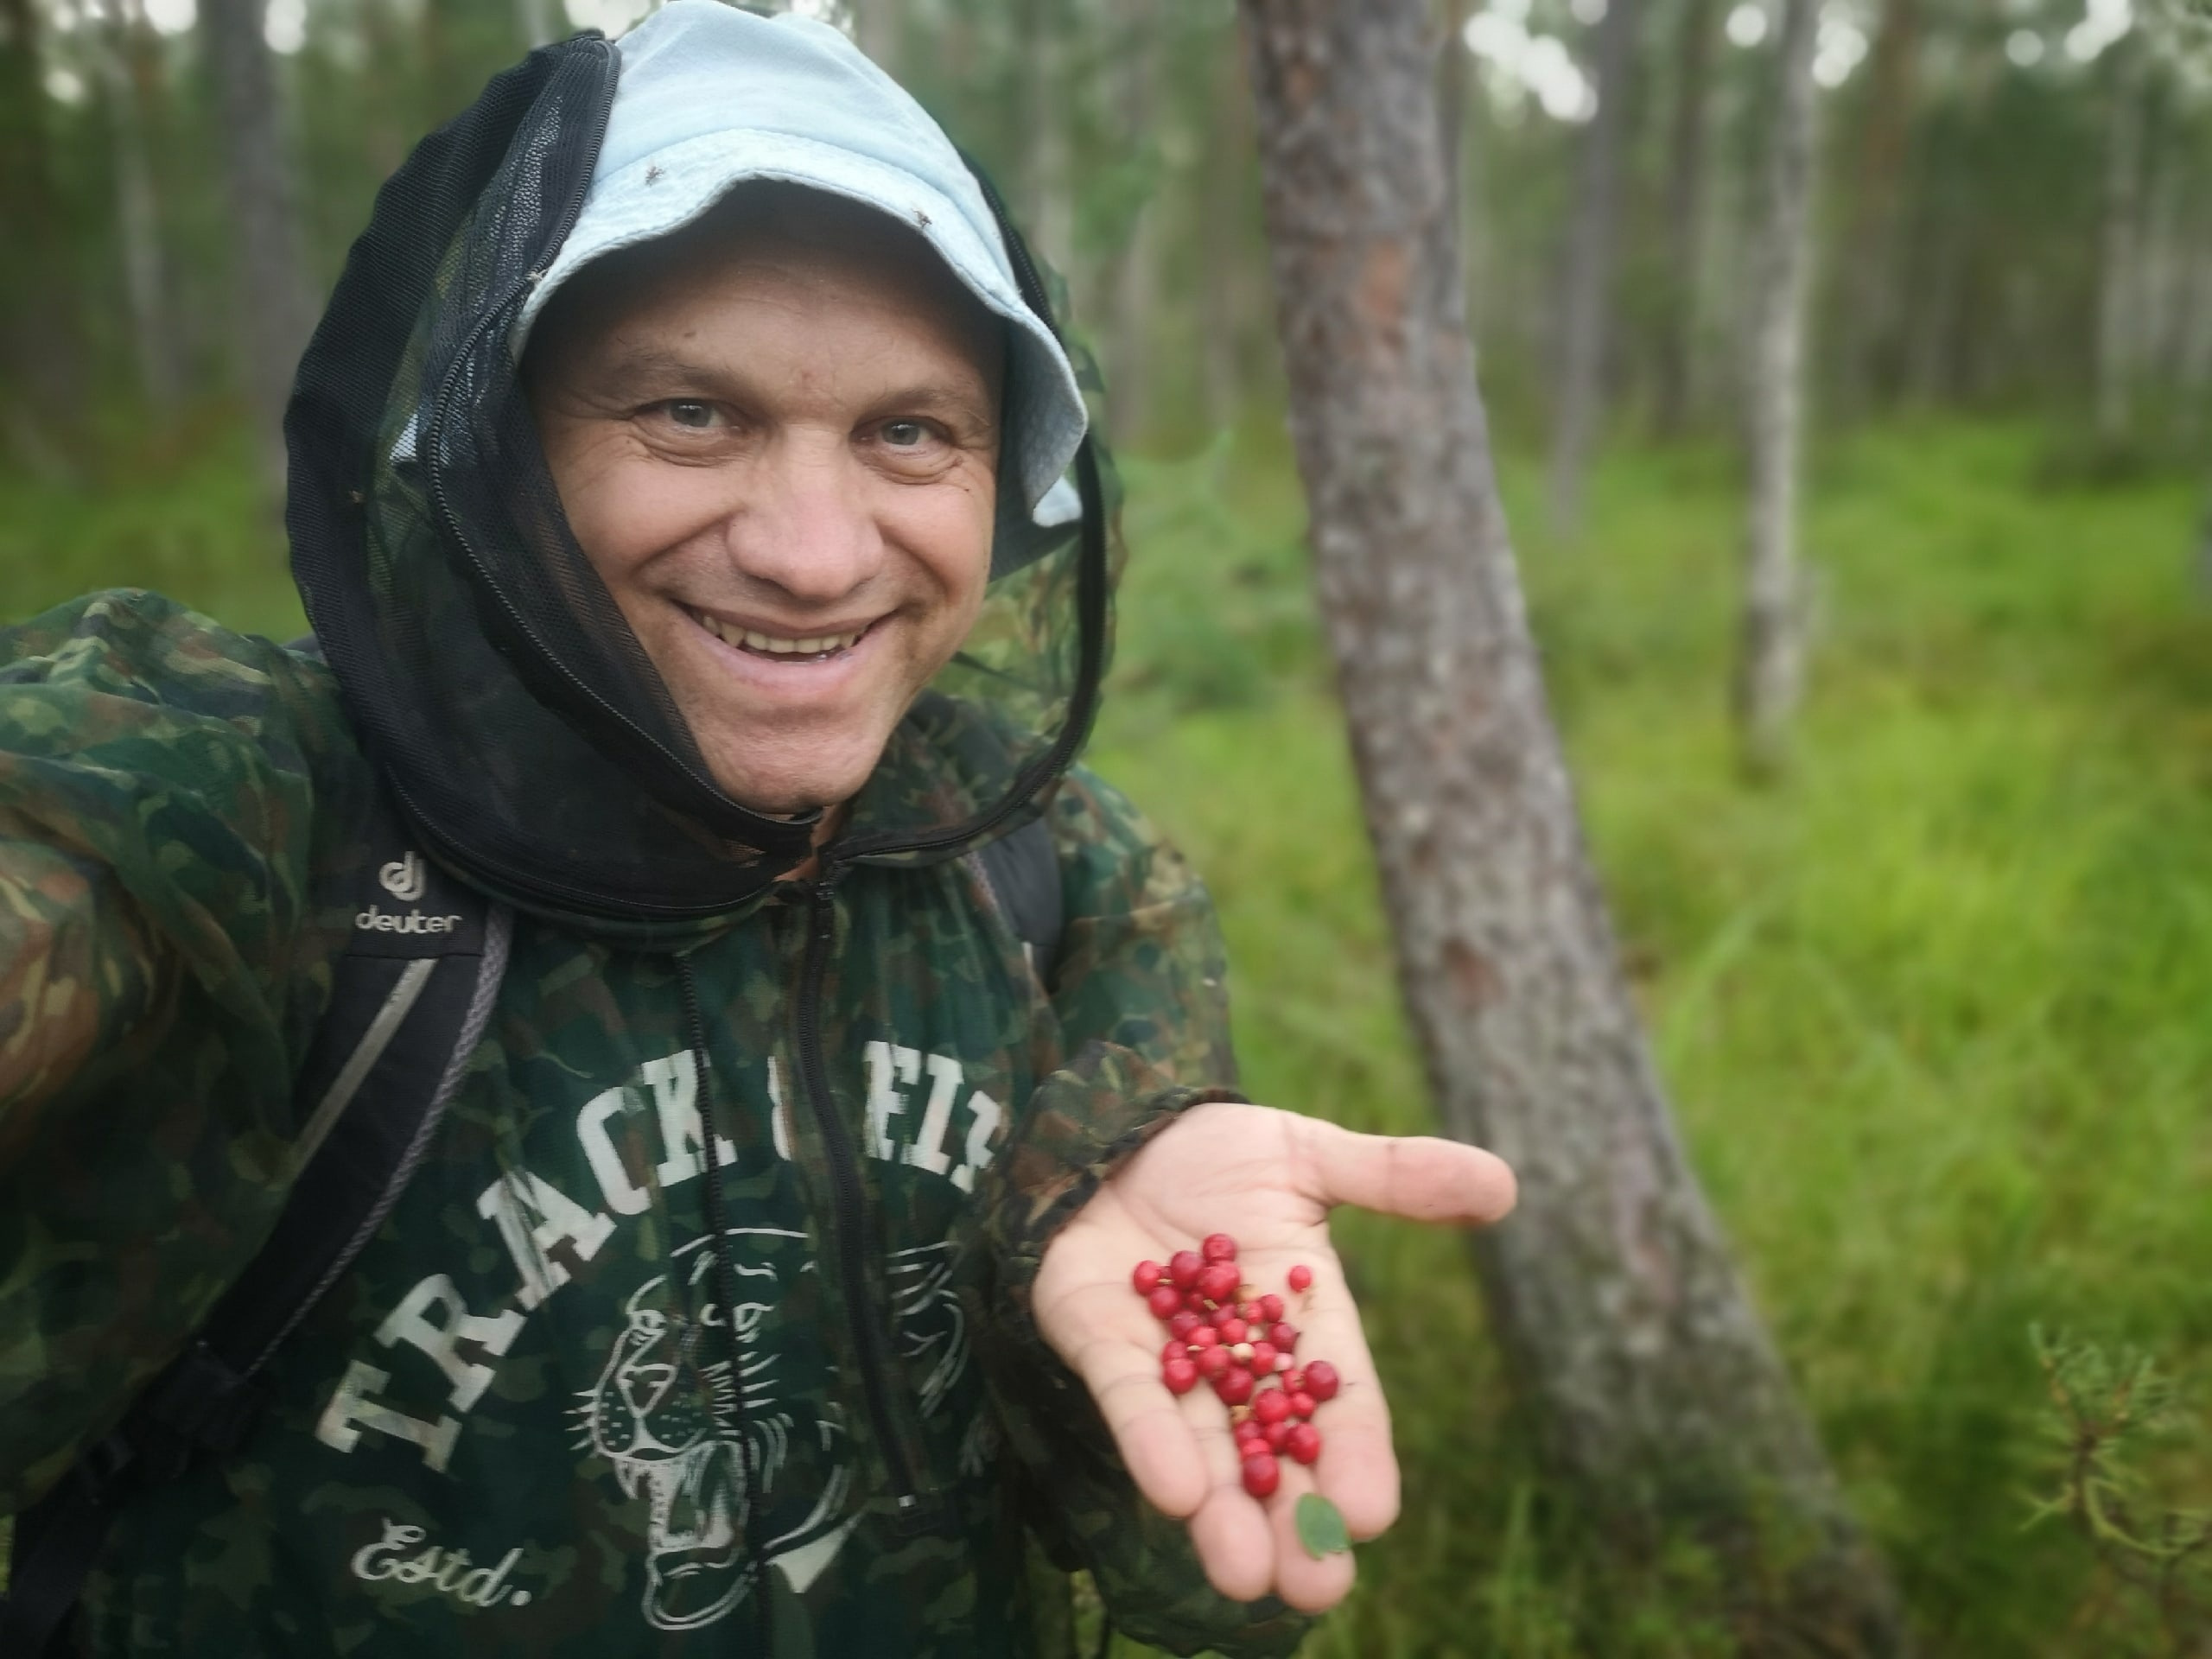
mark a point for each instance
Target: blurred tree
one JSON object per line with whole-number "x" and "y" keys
{"x": 1136, "y": 259}
{"x": 1588, "y": 278}
{"x": 130, "y": 77}
{"x": 1771, "y": 666}
{"x": 1686, "y": 165}
{"x": 274, "y": 311}
{"x": 878, "y": 28}
{"x": 1611, "y": 1290}
{"x": 1866, "y": 263}
{"x": 2118, "y": 296}
{"x": 41, "y": 368}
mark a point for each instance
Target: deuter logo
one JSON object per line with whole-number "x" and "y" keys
{"x": 404, "y": 880}
{"x": 373, "y": 920}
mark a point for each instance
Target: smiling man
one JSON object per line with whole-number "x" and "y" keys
{"x": 707, "y": 561}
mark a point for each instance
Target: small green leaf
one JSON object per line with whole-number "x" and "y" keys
{"x": 1321, "y": 1527}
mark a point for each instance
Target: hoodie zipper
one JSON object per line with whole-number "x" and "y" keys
{"x": 848, "y": 1202}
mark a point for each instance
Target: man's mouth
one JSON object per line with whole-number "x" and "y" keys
{"x": 809, "y": 648}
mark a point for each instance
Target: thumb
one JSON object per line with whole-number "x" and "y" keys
{"x": 1420, "y": 1177}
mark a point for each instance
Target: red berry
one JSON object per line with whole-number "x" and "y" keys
{"x": 1203, "y": 1336}
{"x": 1163, "y": 1301}
{"x": 1179, "y": 1374}
{"x": 1148, "y": 1274}
{"x": 1234, "y": 1386}
{"x": 1218, "y": 1282}
{"x": 1174, "y": 1349}
{"x": 1301, "y": 1277}
{"x": 1293, "y": 1381}
{"x": 1196, "y": 1303}
{"x": 1183, "y": 1269}
{"x": 1263, "y": 1474}
{"x": 1270, "y": 1306}
{"x": 1212, "y": 1362}
{"x": 1262, "y": 1360}
{"x": 1303, "y": 1442}
{"x": 1184, "y": 1324}
{"x": 1218, "y": 1247}
{"x": 1284, "y": 1336}
{"x": 1301, "y": 1403}
{"x": 1230, "y": 1330}
{"x": 1271, "y": 1406}
{"x": 1248, "y": 1312}
{"x": 1277, "y": 1435}
{"x": 1321, "y": 1380}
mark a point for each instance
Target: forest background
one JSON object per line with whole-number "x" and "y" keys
{"x": 1934, "y": 1000}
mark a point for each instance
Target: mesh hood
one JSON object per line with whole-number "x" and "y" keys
{"x": 524, "y": 729}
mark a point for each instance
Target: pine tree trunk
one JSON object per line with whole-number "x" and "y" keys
{"x": 876, "y": 31}
{"x": 1136, "y": 268}
{"x": 127, "y": 76}
{"x": 1687, "y": 151}
{"x": 1770, "y": 670}
{"x": 1222, "y": 247}
{"x": 539, "y": 20}
{"x": 2116, "y": 268}
{"x": 1044, "y": 147}
{"x": 1653, "y": 1386}
{"x": 1866, "y": 319}
{"x": 41, "y": 348}
{"x": 1589, "y": 276}
{"x": 269, "y": 289}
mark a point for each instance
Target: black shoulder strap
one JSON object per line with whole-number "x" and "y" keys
{"x": 410, "y": 998}
{"x": 1021, "y": 874}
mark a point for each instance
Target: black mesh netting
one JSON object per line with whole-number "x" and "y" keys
{"x": 493, "y": 675}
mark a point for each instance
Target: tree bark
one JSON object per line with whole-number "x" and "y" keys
{"x": 1589, "y": 275}
{"x": 2116, "y": 264}
{"x": 876, "y": 29}
{"x": 1224, "y": 205}
{"x": 1686, "y": 150}
{"x": 41, "y": 349}
{"x": 274, "y": 313}
{"x": 128, "y": 78}
{"x": 1136, "y": 269}
{"x": 1652, "y": 1385}
{"x": 1771, "y": 669}
{"x": 1045, "y": 123}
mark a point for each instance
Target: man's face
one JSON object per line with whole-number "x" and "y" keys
{"x": 776, "y": 438}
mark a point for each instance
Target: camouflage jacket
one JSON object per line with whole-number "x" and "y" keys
{"x": 510, "y": 1428}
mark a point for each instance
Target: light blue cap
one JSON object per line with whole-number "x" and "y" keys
{"x": 710, "y": 96}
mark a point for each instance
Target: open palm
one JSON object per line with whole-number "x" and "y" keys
{"x": 1268, "y": 1179}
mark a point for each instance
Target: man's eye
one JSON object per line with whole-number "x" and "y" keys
{"x": 693, "y": 417}
{"x": 906, "y": 435}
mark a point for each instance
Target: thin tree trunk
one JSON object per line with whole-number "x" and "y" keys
{"x": 1136, "y": 269}
{"x": 1771, "y": 670}
{"x": 1867, "y": 316}
{"x": 539, "y": 20}
{"x": 1044, "y": 122}
{"x": 1686, "y": 150}
{"x": 1589, "y": 276}
{"x": 42, "y": 355}
{"x": 270, "y": 287}
{"x": 2116, "y": 268}
{"x": 127, "y": 77}
{"x": 1652, "y": 1384}
{"x": 1221, "y": 249}
{"x": 876, "y": 29}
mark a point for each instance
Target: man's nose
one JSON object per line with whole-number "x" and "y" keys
{"x": 804, "y": 524}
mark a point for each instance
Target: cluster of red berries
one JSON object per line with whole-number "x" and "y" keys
{"x": 1219, "y": 1331}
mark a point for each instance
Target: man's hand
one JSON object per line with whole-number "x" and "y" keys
{"x": 1268, "y": 1179}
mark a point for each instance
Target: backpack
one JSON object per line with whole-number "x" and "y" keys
{"x": 408, "y": 1004}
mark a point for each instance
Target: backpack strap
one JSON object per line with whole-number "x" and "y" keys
{"x": 1021, "y": 875}
{"x": 410, "y": 998}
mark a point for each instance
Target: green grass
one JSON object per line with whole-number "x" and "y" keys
{"x": 1936, "y": 1013}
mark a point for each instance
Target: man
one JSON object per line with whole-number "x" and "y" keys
{"x": 679, "y": 495}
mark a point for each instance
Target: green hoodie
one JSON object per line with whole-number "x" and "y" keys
{"x": 509, "y": 1428}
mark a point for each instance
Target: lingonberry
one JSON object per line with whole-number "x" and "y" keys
{"x": 1285, "y": 1337}
{"x": 1184, "y": 1324}
{"x": 1183, "y": 1269}
{"x": 1212, "y": 1362}
{"x": 1217, "y": 1247}
{"x": 1263, "y": 1474}
{"x": 1301, "y": 1403}
{"x": 1163, "y": 1301}
{"x": 1321, "y": 1380}
{"x": 1146, "y": 1276}
{"x": 1303, "y": 1442}
{"x": 1276, "y": 1436}
{"x": 1270, "y": 1304}
{"x": 1234, "y": 1386}
{"x": 1218, "y": 1282}
{"x": 1248, "y": 1312}
{"x": 1203, "y": 1336}
{"x": 1195, "y": 1300}
{"x": 1300, "y": 1276}
{"x": 1174, "y": 1349}
{"x": 1270, "y": 1406}
{"x": 1262, "y": 1360}
{"x": 1179, "y": 1374}
{"x": 1293, "y": 1379}
{"x": 1230, "y": 1330}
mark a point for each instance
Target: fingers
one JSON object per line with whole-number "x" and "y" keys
{"x": 1422, "y": 1177}
{"x": 1118, "y": 1361}
{"x": 1309, "y": 1583}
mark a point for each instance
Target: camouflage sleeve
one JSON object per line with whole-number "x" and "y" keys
{"x": 154, "y": 853}
{"x": 1143, "y": 1007}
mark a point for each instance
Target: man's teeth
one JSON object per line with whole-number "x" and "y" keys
{"x": 817, "y": 646}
